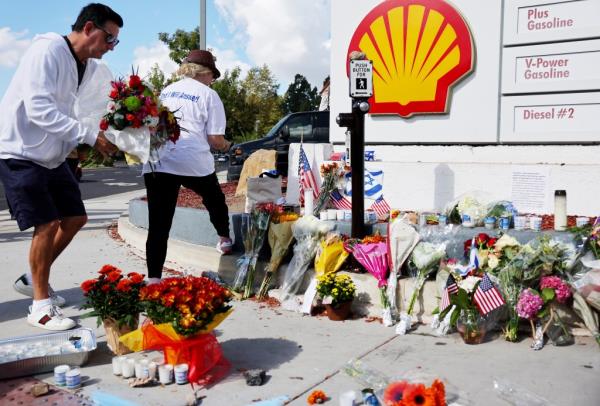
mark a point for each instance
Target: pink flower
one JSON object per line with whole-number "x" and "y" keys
{"x": 561, "y": 289}
{"x": 529, "y": 304}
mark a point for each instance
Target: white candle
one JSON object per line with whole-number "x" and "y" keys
{"x": 128, "y": 368}
{"x": 73, "y": 378}
{"x": 141, "y": 369}
{"x": 181, "y": 374}
{"x": 60, "y": 375}
{"x": 165, "y": 374}
{"x": 308, "y": 202}
{"x": 152, "y": 367}
{"x": 116, "y": 365}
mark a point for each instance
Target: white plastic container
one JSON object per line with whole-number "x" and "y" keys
{"x": 165, "y": 374}
{"x": 535, "y": 223}
{"x": 309, "y": 203}
{"x": 73, "y": 378}
{"x": 60, "y": 375}
{"x": 181, "y": 374}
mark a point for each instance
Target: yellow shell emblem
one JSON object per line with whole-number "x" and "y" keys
{"x": 419, "y": 49}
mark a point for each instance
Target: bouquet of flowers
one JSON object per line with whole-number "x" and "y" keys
{"x": 136, "y": 122}
{"x": 405, "y": 393}
{"x": 254, "y": 229}
{"x": 113, "y": 295}
{"x": 541, "y": 257}
{"x": 280, "y": 237}
{"x": 307, "y": 232}
{"x": 114, "y": 300}
{"x": 424, "y": 260}
{"x": 538, "y": 305}
{"x": 182, "y": 312}
{"x": 331, "y": 173}
{"x": 372, "y": 254}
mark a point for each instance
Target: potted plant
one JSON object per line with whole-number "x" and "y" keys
{"x": 337, "y": 292}
{"x": 115, "y": 301}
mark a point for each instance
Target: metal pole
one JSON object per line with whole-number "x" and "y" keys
{"x": 357, "y": 157}
{"x": 202, "y": 29}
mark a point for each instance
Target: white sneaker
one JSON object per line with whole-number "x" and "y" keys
{"x": 225, "y": 247}
{"x": 23, "y": 287}
{"x": 50, "y": 318}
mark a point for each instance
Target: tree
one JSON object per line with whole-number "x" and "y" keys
{"x": 180, "y": 43}
{"x": 300, "y": 96}
{"x": 261, "y": 98}
{"x": 240, "y": 120}
{"x": 156, "y": 78}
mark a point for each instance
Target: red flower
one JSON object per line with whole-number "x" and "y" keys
{"x": 135, "y": 277}
{"x": 105, "y": 288}
{"x": 106, "y": 269}
{"x": 394, "y": 392}
{"x": 439, "y": 392}
{"x": 467, "y": 246}
{"x": 103, "y": 125}
{"x": 88, "y": 285}
{"x": 114, "y": 93}
{"x": 491, "y": 242}
{"x": 418, "y": 395}
{"x": 124, "y": 285}
{"x": 130, "y": 117}
{"x": 114, "y": 276}
{"x": 482, "y": 238}
{"x": 168, "y": 299}
{"x": 134, "y": 81}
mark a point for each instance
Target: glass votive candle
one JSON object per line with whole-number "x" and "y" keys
{"x": 60, "y": 375}
{"x": 116, "y": 365}
{"x": 73, "y": 378}
{"x": 152, "y": 368}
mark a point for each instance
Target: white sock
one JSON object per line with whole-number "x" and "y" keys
{"x": 40, "y": 304}
{"x": 152, "y": 281}
{"x": 29, "y": 278}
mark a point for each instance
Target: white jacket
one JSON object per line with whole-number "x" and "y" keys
{"x": 36, "y": 112}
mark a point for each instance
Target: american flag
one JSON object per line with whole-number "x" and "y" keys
{"x": 339, "y": 201}
{"x": 381, "y": 207}
{"x": 306, "y": 176}
{"x": 487, "y": 297}
{"x": 451, "y": 288}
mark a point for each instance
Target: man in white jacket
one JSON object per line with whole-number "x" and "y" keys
{"x": 37, "y": 132}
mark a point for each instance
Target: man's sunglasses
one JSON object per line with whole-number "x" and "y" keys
{"x": 109, "y": 39}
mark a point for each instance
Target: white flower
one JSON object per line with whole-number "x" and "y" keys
{"x": 506, "y": 241}
{"x": 468, "y": 284}
{"x": 111, "y": 107}
{"x": 493, "y": 261}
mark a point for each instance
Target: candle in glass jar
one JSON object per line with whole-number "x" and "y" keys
{"x": 560, "y": 210}
{"x": 308, "y": 202}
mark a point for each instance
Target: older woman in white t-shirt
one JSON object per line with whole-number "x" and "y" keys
{"x": 189, "y": 162}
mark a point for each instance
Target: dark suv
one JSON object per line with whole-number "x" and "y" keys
{"x": 311, "y": 127}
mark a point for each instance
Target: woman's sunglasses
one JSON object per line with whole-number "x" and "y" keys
{"x": 109, "y": 39}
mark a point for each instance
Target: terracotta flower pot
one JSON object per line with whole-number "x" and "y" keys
{"x": 113, "y": 332}
{"x": 339, "y": 312}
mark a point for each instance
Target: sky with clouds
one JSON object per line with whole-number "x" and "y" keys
{"x": 289, "y": 36}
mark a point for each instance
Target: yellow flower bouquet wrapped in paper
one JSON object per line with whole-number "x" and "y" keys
{"x": 182, "y": 314}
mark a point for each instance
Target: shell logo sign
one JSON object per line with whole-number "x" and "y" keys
{"x": 419, "y": 49}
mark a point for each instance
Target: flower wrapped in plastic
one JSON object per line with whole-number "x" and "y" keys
{"x": 307, "y": 231}
{"x": 280, "y": 238}
{"x": 372, "y": 254}
{"x": 332, "y": 174}
{"x": 135, "y": 120}
{"x": 254, "y": 230}
{"x": 424, "y": 260}
{"x": 182, "y": 312}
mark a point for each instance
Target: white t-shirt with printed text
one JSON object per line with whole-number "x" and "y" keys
{"x": 201, "y": 113}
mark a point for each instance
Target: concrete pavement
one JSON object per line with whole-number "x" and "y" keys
{"x": 299, "y": 353}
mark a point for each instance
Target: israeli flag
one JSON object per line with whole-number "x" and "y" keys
{"x": 373, "y": 184}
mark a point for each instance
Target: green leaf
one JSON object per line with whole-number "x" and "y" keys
{"x": 548, "y": 294}
{"x": 454, "y": 317}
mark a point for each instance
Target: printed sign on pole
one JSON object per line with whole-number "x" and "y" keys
{"x": 361, "y": 78}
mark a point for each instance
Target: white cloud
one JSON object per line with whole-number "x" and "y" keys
{"x": 290, "y": 36}
{"x": 12, "y": 46}
{"x": 146, "y": 57}
{"x": 227, "y": 60}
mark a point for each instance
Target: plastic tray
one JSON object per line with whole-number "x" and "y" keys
{"x": 82, "y": 337}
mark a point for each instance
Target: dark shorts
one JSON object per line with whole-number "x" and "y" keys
{"x": 38, "y": 195}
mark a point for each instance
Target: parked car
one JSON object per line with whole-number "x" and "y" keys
{"x": 311, "y": 127}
